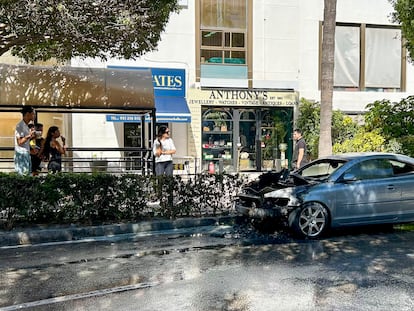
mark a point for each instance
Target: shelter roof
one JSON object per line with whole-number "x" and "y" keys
{"x": 76, "y": 89}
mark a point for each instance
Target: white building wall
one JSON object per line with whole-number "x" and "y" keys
{"x": 285, "y": 54}
{"x": 311, "y": 13}
{"x": 276, "y": 26}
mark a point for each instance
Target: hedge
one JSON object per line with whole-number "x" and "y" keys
{"x": 104, "y": 198}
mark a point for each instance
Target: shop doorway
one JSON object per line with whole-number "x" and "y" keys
{"x": 275, "y": 138}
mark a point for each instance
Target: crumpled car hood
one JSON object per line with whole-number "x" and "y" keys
{"x": 270, "y": 182}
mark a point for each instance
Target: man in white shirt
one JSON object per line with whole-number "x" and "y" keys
{"x": 23, "y": 135}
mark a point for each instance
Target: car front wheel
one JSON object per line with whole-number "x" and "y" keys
{"x": 310, "y": 221}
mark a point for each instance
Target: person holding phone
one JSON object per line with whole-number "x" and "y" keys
{"x": 53, "y": 149}
{"x": 163, "y": 150}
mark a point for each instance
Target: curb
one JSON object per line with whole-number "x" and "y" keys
{"x": 39, "y": 235}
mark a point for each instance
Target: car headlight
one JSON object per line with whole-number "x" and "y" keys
{"x": 283, "y": 197}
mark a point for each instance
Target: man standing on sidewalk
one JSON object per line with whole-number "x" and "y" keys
{"x": 299, "y": 158}
{"x": 23, "y": 135}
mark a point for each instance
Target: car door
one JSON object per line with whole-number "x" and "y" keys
{"x": 372, "y": 196}
{"x": 404, "y": 179}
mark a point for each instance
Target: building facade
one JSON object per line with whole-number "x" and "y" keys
{"x": 242, "y": 67}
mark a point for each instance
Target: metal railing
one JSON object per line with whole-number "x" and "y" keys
{"x": 111, "y": 160}
{"x": 93, "y": 159}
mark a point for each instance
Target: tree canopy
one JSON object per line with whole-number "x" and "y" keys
{"x": 43, "y": 29}
{"x": 404, "y": 15}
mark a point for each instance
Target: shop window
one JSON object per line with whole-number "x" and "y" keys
{"x": 217, "y": 140}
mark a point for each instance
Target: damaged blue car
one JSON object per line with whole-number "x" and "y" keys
{"x": 341, "y": 190}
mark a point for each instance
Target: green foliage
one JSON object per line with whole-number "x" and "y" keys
{"x": 105, "y": 198}
{"x": 361, "y": 142}
{"x": 309, "y": 122}
{"x": 343, "y": 127}
{"x": 388, "y": 127}
{"x": 42, "y": 29}
{"x": 275, "y": 131}
{"x": 395, "y": 121}
{"x": 407, "y": 144}
{"x": 404, "y": 15}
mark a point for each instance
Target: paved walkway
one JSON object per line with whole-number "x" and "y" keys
{"x": 46, "y": 234}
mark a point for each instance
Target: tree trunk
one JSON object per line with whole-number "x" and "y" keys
{"x": 327, "y": 71}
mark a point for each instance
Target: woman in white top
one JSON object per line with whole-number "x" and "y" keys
{"x": 163, "y": 150}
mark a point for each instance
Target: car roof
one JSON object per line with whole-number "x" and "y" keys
{"x": 366, "y": 155}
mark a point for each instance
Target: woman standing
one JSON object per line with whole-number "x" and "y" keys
{"x": 163, "y": 150}
{"x": 53, "y": 150}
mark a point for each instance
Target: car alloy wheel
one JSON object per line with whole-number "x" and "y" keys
{"x": 311, "y": 220}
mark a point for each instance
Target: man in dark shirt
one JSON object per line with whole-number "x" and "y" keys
{"x": 299, "y": 158}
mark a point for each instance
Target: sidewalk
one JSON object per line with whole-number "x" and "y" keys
{"x": 45, "y": 234}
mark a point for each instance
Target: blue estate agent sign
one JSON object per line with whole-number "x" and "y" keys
{"x": 166, "y": 81}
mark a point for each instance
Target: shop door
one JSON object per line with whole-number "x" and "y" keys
{"x": 275, "y": 130}
{"x": 247, "y": 140}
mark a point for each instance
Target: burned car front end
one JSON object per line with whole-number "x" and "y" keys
{"x": 294, "y": 198}
{"x": 273, "y": 197}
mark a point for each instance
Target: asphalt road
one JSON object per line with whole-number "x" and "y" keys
{"x": 213, "y": 268}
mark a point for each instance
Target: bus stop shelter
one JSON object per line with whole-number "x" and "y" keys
{"x": 82, "y": 90}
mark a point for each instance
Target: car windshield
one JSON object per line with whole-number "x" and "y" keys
{"x": 320, "y": 170}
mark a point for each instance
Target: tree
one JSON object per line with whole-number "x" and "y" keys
{"x": 327, "y": 69}
{"x": 63, "y": 29}
{"x": 343, "y": 127}
{"x": 404, "y": 15}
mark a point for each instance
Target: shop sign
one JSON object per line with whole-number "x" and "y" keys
{"x": 166, "y": 81}
{"x": 169, "y": 93}
{"x": 240, "y": 97}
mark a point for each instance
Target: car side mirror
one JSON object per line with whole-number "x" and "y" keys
{"x": 348, "y": 177}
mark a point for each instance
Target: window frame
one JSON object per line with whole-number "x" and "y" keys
{"x": 361, "y": 87}
{"x": 248, "y": 43}
{"x": 223, "y": 49}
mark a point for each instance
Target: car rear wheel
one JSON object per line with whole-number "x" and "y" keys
{"x": 311, "y": 221}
